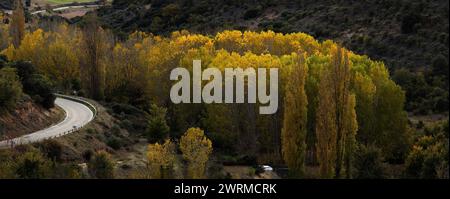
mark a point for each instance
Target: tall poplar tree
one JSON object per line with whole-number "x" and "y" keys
{"x": 293, "y": 134}
{"x": 94, "y": 51}
{"x": 336, "y": 124}
{"x": 17, "y": 27}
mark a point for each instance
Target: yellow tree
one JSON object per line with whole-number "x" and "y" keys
{"x": 161, "y": 158}
{"x": 350, "y": 129}
{"x": 293, "y": 134}
{"x": 31, "y": 45}
{"x": 196, "y": 148}
{"x": 17, "y": 27}
{"x": 336, "y": 124}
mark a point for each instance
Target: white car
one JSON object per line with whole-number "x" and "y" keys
{"x": 267, "y": 168}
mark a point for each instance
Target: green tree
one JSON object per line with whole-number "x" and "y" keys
{"x": 391, "y": 123}
{"x": 157, "y": 128}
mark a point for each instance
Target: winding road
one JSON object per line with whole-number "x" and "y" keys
{"x": 77, "y": 116}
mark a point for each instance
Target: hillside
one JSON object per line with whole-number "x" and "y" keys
{"x": 401, "y": 33}
{"x": 410, "y": 37}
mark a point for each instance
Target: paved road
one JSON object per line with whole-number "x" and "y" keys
{"x": 65, "y": 8}
{"x": 77, "y": 115}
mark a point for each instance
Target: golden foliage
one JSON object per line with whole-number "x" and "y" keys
{"x": 161, "y": 158}
{"x": 293, "y": 134}
{"x": 196, "y": 148}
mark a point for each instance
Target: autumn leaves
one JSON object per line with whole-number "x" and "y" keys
{"x": 195, "y": 147}
{"x": 331, "y": 100}
{"x": 336, "y": 124}
{"x": 335, "y": 119}
{"x": 330, "y": 97}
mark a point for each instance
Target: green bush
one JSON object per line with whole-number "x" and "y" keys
{"x": 87, "y": 155}
{"x": 429, "y": 155}
{"x": 7, "y": 165}
{"x": 33, "y": 165}
{"x": 115, "y": 143}
{"x": 10, "y": 88}
{"x": 368, "y": 163}
{"x": 52, "y": 149}
{"x": 40, "y": 88}
{"x": 66, "y": 171}
{"x": 101, "y": 166}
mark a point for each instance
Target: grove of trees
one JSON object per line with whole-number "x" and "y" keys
{"x": 333, "y": 102}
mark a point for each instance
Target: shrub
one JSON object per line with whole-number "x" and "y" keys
{"x": 6, "y": 165}
{"x": 429, "y": 156}
{"x": 414, "y": 162}
{"x": 24, "y": 69}
{"x": 52, "y": 149}
{"x": 40, "y": 88}
{"x": 87, "y": 155}
{"x": 10, "y": 88}
{"x": 101, "y": 166}
{"x": 114, "y": 143}
{"x": 368, "y": 163}
{"x": 67, "y": 171}
{"x": 33, "y": 165}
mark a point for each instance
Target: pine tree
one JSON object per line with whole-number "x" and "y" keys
{"x": 157, "y": 128}
{"x": 293, "y": 134}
